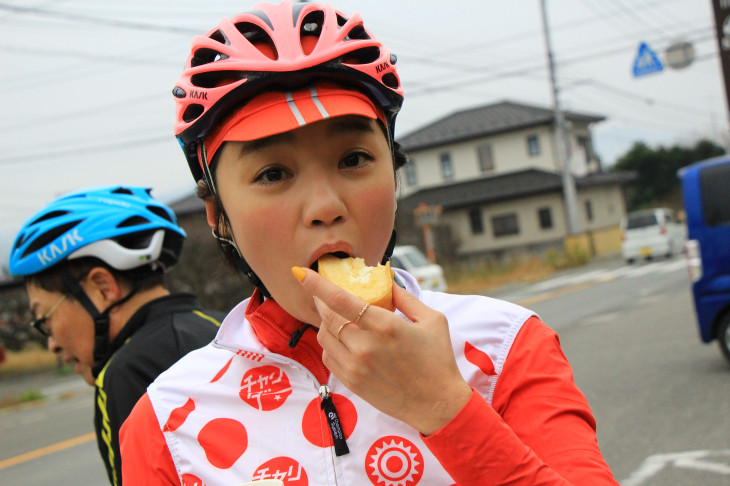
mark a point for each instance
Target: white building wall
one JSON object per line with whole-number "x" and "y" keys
{"x": 607, "y": 204}
{"x": 509, "y": 154}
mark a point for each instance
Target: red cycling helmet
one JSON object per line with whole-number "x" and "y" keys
{"x": 278, "y": 47}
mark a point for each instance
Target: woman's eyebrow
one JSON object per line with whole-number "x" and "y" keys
{"x": 354, "y": 124}
{"x": 261, "y": 143}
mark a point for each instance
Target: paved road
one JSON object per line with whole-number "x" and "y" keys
{"x": 660, "y": 397}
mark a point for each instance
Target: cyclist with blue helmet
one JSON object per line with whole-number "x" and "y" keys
{"x": 94, "y": 264}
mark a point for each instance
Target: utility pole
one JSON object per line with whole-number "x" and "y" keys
{"x": 569, "y": 191}
{"x": 721, "y": 10}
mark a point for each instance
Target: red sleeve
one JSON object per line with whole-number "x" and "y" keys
{"x": 145, "y": 456}
{"x": 538, "y": 431}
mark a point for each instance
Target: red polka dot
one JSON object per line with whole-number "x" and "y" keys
{"x": 178, "y": 416}
{"x": 480, "y": 359}
{"x": 221, "y": 372}
{"x": 265, "y": 388}
{"x": 191, "y": 480}
{"x": 224, "y": 441}
{"x": 314, "y": 422}
{"x": 284, "y": 468}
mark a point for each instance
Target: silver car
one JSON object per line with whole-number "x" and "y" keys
{"x": 430, "y": 276}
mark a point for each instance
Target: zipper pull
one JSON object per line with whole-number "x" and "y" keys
{"x": 333, "y": 420}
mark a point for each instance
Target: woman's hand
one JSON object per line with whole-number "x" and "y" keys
{"x": 404, "y": 369}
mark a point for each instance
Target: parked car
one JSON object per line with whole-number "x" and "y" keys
{"x": 651, "y": 233}
{"x": 707, "y": 204}
{"x": 430, "y": 276}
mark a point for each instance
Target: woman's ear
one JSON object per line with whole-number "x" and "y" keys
{"x": 211, "y": 212}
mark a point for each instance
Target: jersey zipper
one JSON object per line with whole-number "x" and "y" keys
{"x": 333, "y": 421}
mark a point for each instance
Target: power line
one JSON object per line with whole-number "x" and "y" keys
{"x": 88, "y": 19}
{"x": 90, "y": 149}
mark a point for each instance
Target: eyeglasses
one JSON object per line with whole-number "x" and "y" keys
{"x": 40, "y": 323}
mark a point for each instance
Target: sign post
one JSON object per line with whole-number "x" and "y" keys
{"x": 426, "y": 216}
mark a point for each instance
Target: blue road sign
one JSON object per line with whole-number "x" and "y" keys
{"x": 646, "y": 61}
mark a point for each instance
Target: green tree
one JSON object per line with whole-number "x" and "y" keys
{"x": 656, "y": 182}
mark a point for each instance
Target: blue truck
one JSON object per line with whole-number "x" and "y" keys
{"x": 706, "y": 195}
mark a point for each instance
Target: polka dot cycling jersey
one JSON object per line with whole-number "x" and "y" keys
{"x": 233, "y": 410}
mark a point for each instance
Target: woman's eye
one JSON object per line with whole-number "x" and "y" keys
{"x": 355, "y": 159}
{"x": 271, "y": 175}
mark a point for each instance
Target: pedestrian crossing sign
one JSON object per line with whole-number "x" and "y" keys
{"x": 646, "y": 61}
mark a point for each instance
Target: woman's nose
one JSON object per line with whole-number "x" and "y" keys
{"x": 324, "y": 206}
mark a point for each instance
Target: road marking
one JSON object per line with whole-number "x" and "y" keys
{"x": 44, "y": 451}
{"x": 696, "y": 460}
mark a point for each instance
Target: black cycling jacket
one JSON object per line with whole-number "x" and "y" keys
{"x": 156, "y": 336}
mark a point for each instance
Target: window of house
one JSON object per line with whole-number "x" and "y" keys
{"x": 533, "y": 146}
{"x": 447, "y": 169}
{"x": 475, "y": 220}
{"x": 589, "y": 211}
{"x": 484, "y": 153}
{"x": 585, "y": 143}
{"x": 505, "y": 225}
{"x": 546, "y": 218}
{"x": 411, "y": 174}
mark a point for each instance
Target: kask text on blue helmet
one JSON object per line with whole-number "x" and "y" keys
{"x": 124, "y": 226}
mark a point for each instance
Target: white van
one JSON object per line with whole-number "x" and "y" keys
{"x": 651, "y": 233}
{"x": 430, "y": 276}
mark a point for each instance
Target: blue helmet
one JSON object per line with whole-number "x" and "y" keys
{"x": 124, "y": 226}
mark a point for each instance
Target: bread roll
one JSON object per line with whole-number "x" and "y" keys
{"x": 371, "y": 284}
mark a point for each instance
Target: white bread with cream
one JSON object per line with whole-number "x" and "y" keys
{"x": 372, "y": 284}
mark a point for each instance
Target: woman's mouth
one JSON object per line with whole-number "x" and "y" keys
{"x": 339, "y": 254}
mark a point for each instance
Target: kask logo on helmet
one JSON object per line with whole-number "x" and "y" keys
{"x": 381, "y": 67}
{"x": 52, "y": 251}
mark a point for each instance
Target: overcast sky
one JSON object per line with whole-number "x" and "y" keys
{"x": 85, "y": 85}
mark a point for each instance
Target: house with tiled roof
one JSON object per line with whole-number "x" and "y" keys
{"x": 494, "y": 176}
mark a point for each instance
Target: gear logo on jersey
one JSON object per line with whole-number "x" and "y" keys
{"x": 285, "y": 469}
{"x": 265, "y": 388}
{"x": 394, "y": 461}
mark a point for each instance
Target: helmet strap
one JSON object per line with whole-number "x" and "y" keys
{"x": 101, "y": 319}
{"x": 206, "y": 169}
{"x": 389, "y": 249}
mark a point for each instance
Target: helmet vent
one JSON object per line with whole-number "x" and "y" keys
{"x": 21, "y": 241}
{"x": 133, "y": 221}
{"x": 206, "y": 56}
{"x": 341, "y": 20}
{"x": 312, "y": 23}
{"x": 192, "y": 112}
{"x": 391, "y": 80}
{"x": 310, "y": 30}
{"x": 122, "y": 190}
{"x": 218, "y": 36}
{"x": 357, "y": 32}
{"x": 47, "y": 216}
{"x": 135, "y": 241}
{"x": 160, "y": 212}
{"x": 259, "y": 38}
{"x": 215, "y": 79}
{"x": 49, "y": 236}
{"x": 365, "y": 55}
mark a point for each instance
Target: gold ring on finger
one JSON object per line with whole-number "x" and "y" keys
{"x": 341, "y": 328}
{"x": 362, "y": 311}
